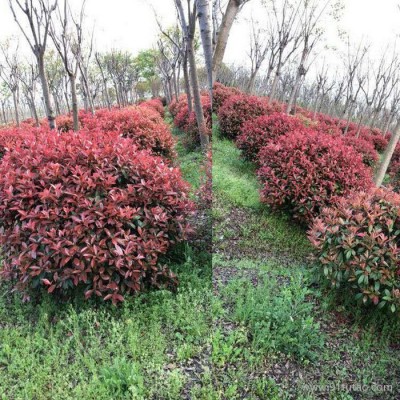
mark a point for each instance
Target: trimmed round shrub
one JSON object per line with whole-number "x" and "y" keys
{"x": 221, "y": 93}
{"x": 303, "y": 172}
{"x": 369, "y": 155}
{"x": 141, "y": 124}
{"x": 154, "y": 104}
{"x": 357, "y": 246}
{"x": 238, "y": 109}
{"x": 65, "y": 123}
{"x": 91, "y": 211}
{"x": 258, "y": 132}
{"x": 176, "y": 104}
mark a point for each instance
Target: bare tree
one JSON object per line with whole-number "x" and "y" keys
{"x": 39, "y": 15}
{"x": 9, "y": 72}
{"x": 28, "y": 77}
{"x": 310, "y": 35}
{"x": 188, "y": 25}
{"x": 222, "y": 28}
{"x": 104, "y": 76}
{"x": 258, "y": 51}
{"x": 68, "y": 43}
{"x": 286, "y": 20}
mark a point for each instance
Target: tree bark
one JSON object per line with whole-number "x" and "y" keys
{"x": 231, "y": 12}
{"x": 250, "y": 86}
{"x": 46, "y": 93}
{"x": 15, "y": 102}
{"x": 74, "y": 98}
{"x": 187, "y": 81}
{"x": 387, "y": 156}
{"x": 34, "y": 110}
{"x": 301, "y": 72}
{"x": 203, "y": 15}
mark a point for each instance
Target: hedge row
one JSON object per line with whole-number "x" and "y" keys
{"x": 320, "y": 171}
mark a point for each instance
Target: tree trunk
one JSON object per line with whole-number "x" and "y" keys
{"x": 15, "y": 102}
{"x": 275, "y": 83}
{"x": 387, "y": 156}
{"x": 187, "y": 81}
{"x": 3, "y": 109}
{"x": 46, "y": 93}
{"x": 203, "y": 15}
{"x": 57, "y": 104}
{"x": 232, "y": 10}
{"x": 250, "y": 85}
{"x": 201, "y": 123}
{"x": 387, "y": 125}
{"x": 34, "y": 110}
{"x": 72, "y": 80}
{"x": 301, "y": 72}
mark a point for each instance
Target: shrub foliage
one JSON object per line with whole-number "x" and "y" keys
{"x": 302, "y": 172}
{"x": 88, "y": 210}
{"x": 357, "y": 244}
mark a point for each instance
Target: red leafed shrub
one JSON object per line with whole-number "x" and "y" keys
{"x": 89, "y": 210}
{"x": 143, "y": 125}
{"x": 302, "y": 172}
{"x": 176, "y": 104}
{"x": 357, "y": 245}
{"x": 238, "y": 109}
{"x": 258, "y": 132}
{"x": 363, "y": 147}
{"x": 221, "y": 93}
{"x": 64, "y": 123}
{"x": 11, "y": 137}
{"x": 394, "y": 173}
{"x": 379, "y": 141}
{"x": 395, "y": 156}
{"x": 186, "y": 121}
{"x": 154, "y": 104}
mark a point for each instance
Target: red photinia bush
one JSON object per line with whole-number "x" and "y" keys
{"x": 176, "y": 104}
{"x": 357, "y": 244}
{"x": 238, "y": 109}
{"x": 65, "y": 123}
{"x": 186, "y": 121}
{"x": 141, "y": 124}
{"x": 12, "y": 137}
{"x": 154, "y": 104}
{"x": 302, "y": 172}
{"x": 394, "y": 173}
{"x": 380, "y": 142}
{"x": 258, "y": 132}
{"x": 221, "y": 93}
{"x": 366, "y": 149}
{"x": 89, "y": 210}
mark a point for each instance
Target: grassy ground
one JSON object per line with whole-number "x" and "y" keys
{"x": 278, "y": 333}
{"x": 151, "y": 347}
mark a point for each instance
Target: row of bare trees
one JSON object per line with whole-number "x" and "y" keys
{"x": 68, "y": 70}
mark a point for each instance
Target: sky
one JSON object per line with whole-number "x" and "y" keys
{"x": 131, "y": 25}
{"x": 122, "y": 24}
{"x": 376, "y": 21}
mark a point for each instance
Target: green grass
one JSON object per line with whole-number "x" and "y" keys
{"x": 235, "y": 186}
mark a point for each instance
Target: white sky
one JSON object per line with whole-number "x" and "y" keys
{"x": 122, "y": 24}
{"x": 130, "y": 24}
{"x": 376, "y": 21}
